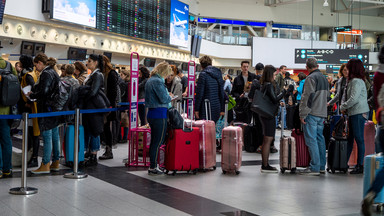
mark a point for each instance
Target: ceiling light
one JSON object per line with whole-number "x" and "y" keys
{"x": 325, "y": 3}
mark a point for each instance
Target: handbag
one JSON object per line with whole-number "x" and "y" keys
{"x": 231, "y": 102}
{"x": 219, "y": 127}
{"x": 175, "y": 121}
{"x": 263, "y": 106}
{"x": 124, "y": 119}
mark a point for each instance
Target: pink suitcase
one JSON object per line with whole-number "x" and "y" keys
{"x": 287, "y": 150}
{"x": 207, "y": 144}
{"x": 231, "y": 149}
{"x": 369, "y": 141}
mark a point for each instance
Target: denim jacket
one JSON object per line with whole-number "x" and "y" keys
{"x": 156, "y": 95}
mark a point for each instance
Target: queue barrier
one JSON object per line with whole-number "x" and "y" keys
{"x": 24, "y": 189}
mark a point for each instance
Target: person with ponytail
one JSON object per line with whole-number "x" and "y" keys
{"x": 93, "y": 97}
{"x": 42, "y": 92}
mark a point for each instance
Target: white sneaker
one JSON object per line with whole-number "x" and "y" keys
{"x": 309, "y": 172}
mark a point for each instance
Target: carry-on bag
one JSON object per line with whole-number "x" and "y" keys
{"x": 338, "y": 155}
{"x": 207, "y": 141}
{"x": 253, "y": 134}
{"x": 70, "y": 144}
{"x": 287, "y": 150}
{"x": 303, "y": 157}
{"x": 231, "y": 147}
{"x": 369, "y": 142}
{"x": 372, "y": 165}
{"x": 182, "y": 149}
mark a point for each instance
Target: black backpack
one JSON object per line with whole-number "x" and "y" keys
{"x": 9, "y": 87}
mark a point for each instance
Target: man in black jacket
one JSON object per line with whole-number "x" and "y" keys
{"x": 242, "y": 107}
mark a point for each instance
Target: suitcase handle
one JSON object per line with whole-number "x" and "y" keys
{"x": 208, "y": 110}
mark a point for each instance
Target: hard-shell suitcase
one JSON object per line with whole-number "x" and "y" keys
{"x": 372, "y": 165}
{"x": 287, "y": 150}
{"x": 182, "y": 150}
{"x": 207, "y": 143}
{"x": 70, "y": 144}
{"x": 231, "y": 149}
{"x": 302, "y": 153}
{"x": 369, "y": 141}
{"x": 338, "y": 155}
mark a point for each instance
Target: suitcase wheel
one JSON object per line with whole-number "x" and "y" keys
{"x": 214, "y": 168}
{"x": 166, "y": 172}
{"x": 174, "y": 172}
{"x": 282, "y": 170}
{"x": 194, "y": 171}
{"x": 380, "y": 207}
{"x": 345, "y": 170}
{"x": 293, "y": 170}
{"x": 333, "y": 171}
{"x": 237, "y": 172}
{"x": 224, "y": 172}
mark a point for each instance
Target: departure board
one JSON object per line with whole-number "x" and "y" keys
{"x": 146, "y": 19}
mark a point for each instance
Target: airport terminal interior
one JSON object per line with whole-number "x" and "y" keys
{"x": 146, "y": 33}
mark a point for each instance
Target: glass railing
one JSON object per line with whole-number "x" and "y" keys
{"x": 372, "y": 47}
{"x": 219, "y": 38}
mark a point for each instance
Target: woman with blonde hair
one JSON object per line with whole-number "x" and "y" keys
{"x": 157, "y": 101}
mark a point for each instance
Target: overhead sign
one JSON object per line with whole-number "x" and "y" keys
{"x": 331, "y": 56}
{"x": 343, "y": 28}
{"x": 334, "y": 69}
{"x": 232, "y": 22}
{"x": 286, "y": 26}
{"x": 354, "y": 32}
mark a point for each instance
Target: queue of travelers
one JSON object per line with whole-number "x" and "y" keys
{"x": 98, "y": 85}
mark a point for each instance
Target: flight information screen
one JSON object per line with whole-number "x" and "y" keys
{"x": 146, "y": 19}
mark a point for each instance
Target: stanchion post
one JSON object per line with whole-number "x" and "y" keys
{"x": 76, "y": 174}
{"x": 24, "y": 190}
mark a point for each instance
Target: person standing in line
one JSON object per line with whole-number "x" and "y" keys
{"x": 210, "y": 85}
{"x": 356, "y": 106}
{"x": 269, "y": 129}
{"x": 313, "y": 111}
{"x": 279, "y": 79}
{"x": 81, "y": 72}
{"x": 5, "y": 132}
{"x": 174, "y": 86}
{"x": 227, "y": 84}
{"x": 259, "y": 70}
{"x": 112, "y": 91}
{"x": 302, "y": 77}
{"x": 184, "y": 82}
{"x": 157, "y": 101}
{"x": 378, "y": 80}
{"x": 29, "y": 78}
{"x": 340, "y": 86}
{"x": 143, "y": 78}
{"x": 49, "y": 126}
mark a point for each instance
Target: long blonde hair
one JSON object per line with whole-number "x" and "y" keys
{"x": 163, "y": 69}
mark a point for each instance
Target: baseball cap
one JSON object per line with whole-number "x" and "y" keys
{"x": 259, "y": 66}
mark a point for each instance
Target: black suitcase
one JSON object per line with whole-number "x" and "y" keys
{"x": 253, "y": 135}
{"x": 290, "y": 116}
{"x": 338, "y": 155}
{"x": 327, "y": 134}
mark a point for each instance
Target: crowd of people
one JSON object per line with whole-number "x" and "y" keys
{"x": 98, "y": 85}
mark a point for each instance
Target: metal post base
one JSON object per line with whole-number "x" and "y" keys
{"x": 23, "y": 191}
{"x": 78, "y": 175}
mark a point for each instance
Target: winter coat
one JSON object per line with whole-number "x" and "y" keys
{"x": 112, "y": 89}
{"x": 176, "y": 90}
{"x": 42, "y": 92}
{"x": 238, "y": 84}
{"x": 356, "y": 98}
{"x": 210, "y": 85}
{"x": 142, "y": 83}
{"x": 315, "y": 95}
{"x": 92, "y": 95}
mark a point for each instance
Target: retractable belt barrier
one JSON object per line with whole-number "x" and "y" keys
{"x": 24, "y": 190}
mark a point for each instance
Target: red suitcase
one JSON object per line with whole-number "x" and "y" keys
{"x": 369, "y": 141}
{"x": 231, "y": 149}
{"x": 207, "y": 144}
{"x": 302, "y": 153}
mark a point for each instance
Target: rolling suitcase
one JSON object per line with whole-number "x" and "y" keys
{"x": 70, "y": 144}
{"x": 182, "y": 150}
{"x": 302, "y": 153}
{"x": 327, "y": 134}
{"x": 372, "y": 165}
{"x": 231, "y": 147}
{"x": 369, "y": 141}
{"x": 207, "y": 141}
{"x": 338, "y": 155}
{"x": 287, "y": 150}
{"x": 253, "y": 134}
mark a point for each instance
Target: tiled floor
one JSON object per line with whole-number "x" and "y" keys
{"x": 112, "y": 189}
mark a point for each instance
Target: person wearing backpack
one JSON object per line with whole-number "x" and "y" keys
{"x": 29, "y": 78}
{"x": 43, "y": 91}
{"x": 5, "y": 130}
